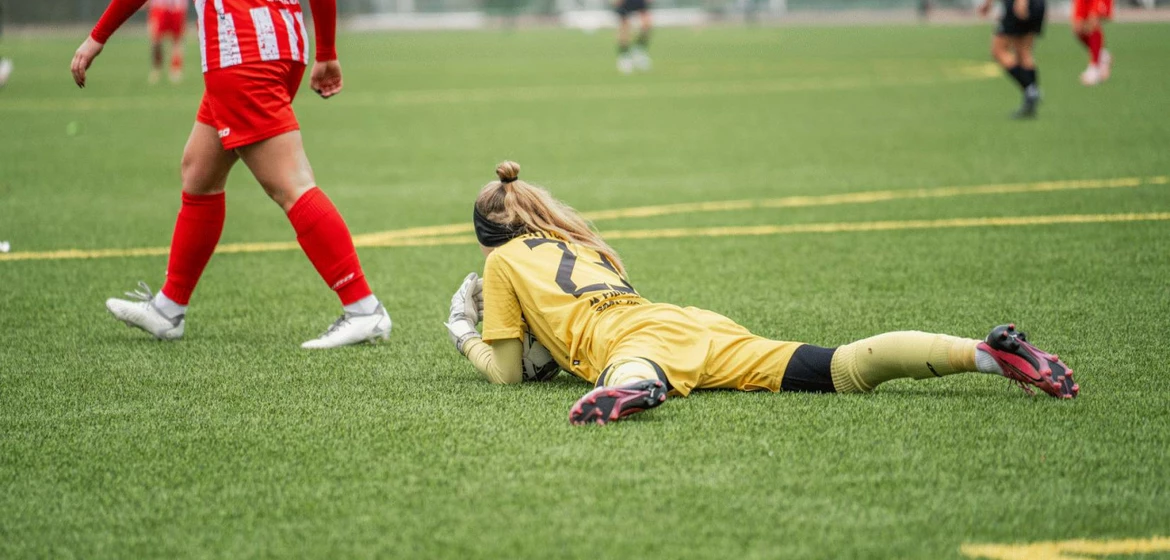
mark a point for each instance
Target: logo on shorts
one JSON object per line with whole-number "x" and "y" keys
{"x": 224, "y": 132}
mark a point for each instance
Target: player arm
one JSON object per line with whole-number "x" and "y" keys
{"x": 499, "y": 357}
{"x": 115, "y": 15}
{"x": 499, "y": 362}
{"x": 325, "y": 28}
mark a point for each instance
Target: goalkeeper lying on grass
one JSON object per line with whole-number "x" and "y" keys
{"x": 549, "y": 272}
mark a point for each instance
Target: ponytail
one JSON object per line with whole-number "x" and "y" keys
{"x": 513, "y": 203}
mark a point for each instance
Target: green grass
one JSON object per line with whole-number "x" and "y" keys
{"x": 234, "y": 442}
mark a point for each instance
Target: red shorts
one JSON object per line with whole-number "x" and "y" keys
{"x": 251, "y": 102}
{"x": 1085, "y": 9}
{"x": 166, "y": 22}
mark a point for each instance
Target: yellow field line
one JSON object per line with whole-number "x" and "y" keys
{"x": 374, "y": 239}
{"x": 962, "y": 73}
{"x": 729, "y": 231}
{"x": 436, "y": 235}
{"x": 740, "y": 231}
{"x": 1066, "y": 550}
{"x": 872, "y": 196}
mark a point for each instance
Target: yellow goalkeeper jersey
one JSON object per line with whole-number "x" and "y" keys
{"x": 557, "y": 289}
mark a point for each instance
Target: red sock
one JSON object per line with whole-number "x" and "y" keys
{"x": 1096, "y": 40}
{"x": 1084, "y": 37}
{"x": 197, "y": 232}
{"x": 177, "y": 60}
{"x": 325, "y": 238}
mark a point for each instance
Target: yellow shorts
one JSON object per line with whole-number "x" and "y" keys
{"x": 696, "y": 349}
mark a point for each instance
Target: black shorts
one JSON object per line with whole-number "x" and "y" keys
{"x": 627, "y": 7}
{"x": 1013, "y": 26}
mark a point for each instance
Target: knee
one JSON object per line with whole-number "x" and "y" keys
{"x": 996, "y": 53}
{"x": 628, "y": 370}
{"x": 284, "y": 195}
{"x": 189, "y": 173}
{"x": 197, "y": 178}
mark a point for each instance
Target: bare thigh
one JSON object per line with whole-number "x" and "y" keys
{"x": 1001, "y": 50}
{"x": 281, "y": 167}
{"x": 206, "y": 164}
{"x": 1023, "y": 48}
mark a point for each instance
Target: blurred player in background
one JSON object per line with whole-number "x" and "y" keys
{"x": 549, "y": 273}
{"x": 1087, "y": 16}
{"x": 166, "y": 19}
{"x": 1011, "y": 46}
{"x": 5, "y": 70}
{"x": 5, "y": 63}
{"x": 636, "y": 56}
{"x": 254, "y": 55}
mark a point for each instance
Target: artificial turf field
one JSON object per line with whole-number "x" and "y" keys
{"x": 236, "y": 443}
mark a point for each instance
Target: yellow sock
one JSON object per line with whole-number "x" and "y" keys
{"x": 628, "y": 370}
{"x": 863, "y": 365}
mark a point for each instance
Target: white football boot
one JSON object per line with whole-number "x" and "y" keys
{"x": 641, "y": 59}
{"x": 625, "y": 64}
{"x": 352, "y": 328}
{"x": 1091, "y": 76}
{"x": 142, "y": 313}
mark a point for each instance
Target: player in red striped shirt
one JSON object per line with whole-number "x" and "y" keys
{"x": 254, "y": 55}
{"x": 166, "y": 19}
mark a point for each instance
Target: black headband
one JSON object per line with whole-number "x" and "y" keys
{"x": 506, "y": 181}
{"x": 491, "y": 234}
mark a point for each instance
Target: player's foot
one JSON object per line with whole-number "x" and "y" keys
{"x": 641, "y": 59}
{"x": 1027, "y": 109}
{"x": 1105, "y": 65}
{"x": 1027, "y": 365}
{"x": 175, "y": 76}
{"x": 153, "y": 77}
{"x": 606, "y": 404}
{"x": 1091, "y": 76}
{"x": 140, "y": 312}
{"x": 352, "y": 328}
{"x": 625, "y": 64}
{"x": 5, "y": 70}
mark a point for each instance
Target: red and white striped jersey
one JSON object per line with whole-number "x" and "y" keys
{"x": 233, "y": 32}
{"x": 168, "y": 5}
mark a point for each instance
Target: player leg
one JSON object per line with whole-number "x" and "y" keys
{"x": 205, "y": 169}
{"x": 625, "y": 62}
{"x": 1005, "y": 56}
{"x": 628, "y": 385}
{"x": 1027, "y": 76}
{"x": 641, "y": 49}
{"x": 154, "y": 27}
{"x": 176, "y": 74}
{"x": 282, "y": 168}
{"x": 1089, "y": 29}
{"x": 861, "y": 366}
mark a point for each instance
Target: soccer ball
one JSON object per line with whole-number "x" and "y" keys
{"x": 538, "y": 362}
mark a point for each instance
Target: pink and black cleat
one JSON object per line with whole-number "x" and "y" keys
{"x": 606, "y": 404}
{"x": 1027, "y": 365}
